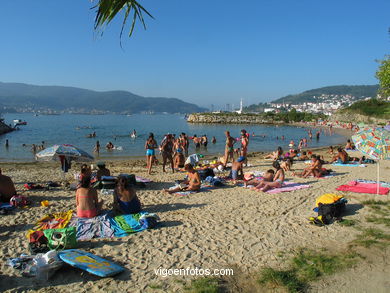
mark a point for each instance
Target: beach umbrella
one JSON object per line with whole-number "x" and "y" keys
{"x": 374, "y": 142}
{"x": 60, "y": 151}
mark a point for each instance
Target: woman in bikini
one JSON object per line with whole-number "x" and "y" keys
{"x": 229, "y": 149}
{"x": 125, "y": 198}
{"x": 87, "y": 203}
{"x": 150, "y": 146}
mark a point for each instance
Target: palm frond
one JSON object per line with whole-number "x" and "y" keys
{"x": 107, "y": 10}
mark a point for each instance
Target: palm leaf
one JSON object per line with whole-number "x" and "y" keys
{"x": 107, "y": 10}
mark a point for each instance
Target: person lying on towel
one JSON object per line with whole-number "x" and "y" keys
{"x": 191, "y": 184}
{"x": 125, "y": 198}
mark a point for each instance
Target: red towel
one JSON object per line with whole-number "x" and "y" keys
{"x": 363, "y": 188}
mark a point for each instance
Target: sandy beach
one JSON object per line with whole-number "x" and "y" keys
{"x": 228, "y": 227}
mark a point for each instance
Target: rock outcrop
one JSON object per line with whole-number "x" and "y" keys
{"x": 229, "y": 119}
{"x": 4, "y": 128}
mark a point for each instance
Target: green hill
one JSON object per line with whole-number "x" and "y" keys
{"x": 60, "y": 98}
{"x": 372, "y": 108}
{"x": 358, "y": 91}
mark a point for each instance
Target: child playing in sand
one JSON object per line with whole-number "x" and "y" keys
{"x": 277, "y": 180}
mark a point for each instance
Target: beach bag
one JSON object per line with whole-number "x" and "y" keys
{"x": 330, "y": 206}
{"x": 38, "y": 243}
{"x": 19, "y": 201}
{"x": 59, "y": 239}
{"x": 206, "y": 173}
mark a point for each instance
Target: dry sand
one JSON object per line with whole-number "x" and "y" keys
{"x": 229, "y": 227}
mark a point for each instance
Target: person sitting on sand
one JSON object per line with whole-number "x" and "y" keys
{"x": 179, "y": 159}
{"x": 87, "y": 203}
{"x": 237, "y": 172}
{"x": 313, "y": 169}
{"x": 330, "y": 150}
{"x": 102, "y": 170}
{"x": 125, "y": 198}
{"x": 341, "y": 157}
{"x": 286, "y": 164}
{"x": 349, "y": 145}
{"x": 267, "y": 177}
{"x": 303, "y": 157}
{"x": 7, "y": 188}
{"x": 277, "y": 182}
{"x": 275, "y": 155}
{"x": 191, "y": 184}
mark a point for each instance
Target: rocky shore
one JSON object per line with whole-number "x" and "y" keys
{"x": 4, "y": 128}
{"x": 229, "y": 118}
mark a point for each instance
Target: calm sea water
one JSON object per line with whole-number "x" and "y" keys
{"x": 58, "y": 129}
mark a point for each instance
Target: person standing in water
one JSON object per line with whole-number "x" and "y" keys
{"x": 97, "y": 147}
{"x": 229, "y": 149}
{"x": 213, "y": 140}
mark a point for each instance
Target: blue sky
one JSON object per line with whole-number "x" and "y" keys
{"x": 205, "y": 51}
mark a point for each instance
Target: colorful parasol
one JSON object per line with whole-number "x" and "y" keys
{"x": 373, "y": 142}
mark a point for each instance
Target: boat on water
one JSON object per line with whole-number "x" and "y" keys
{"x": 18, "y": 122}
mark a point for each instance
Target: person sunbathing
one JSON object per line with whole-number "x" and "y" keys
{"x": 268, "y": 177}
{"x": 313, "y": 169}
{"x": 103, "y": 171}
{"x": 191, "y": 184}
{"x": 125, "y": 198}
{"x": 277, "y": 180}
{"x": 341, "y": 157}
{"x": 349, "y": 145}
{"x": 7, "y": 188}
{"x": 303, "y": 157}
{"x": 87, "y": 203}
{"x": 275, "y": 155}
{"x": 286, "y": 164}
{"x": 237, "y": 172}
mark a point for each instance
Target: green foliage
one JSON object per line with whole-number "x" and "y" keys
{"x": 372, "y": 236}
{"x": 307, "y": 265}
{"x": 282, "y": 278}
{"x": 348, "y": 223}
{"x": 107, "y": 10}
{"x": 373, "y": 107}
{"x": 204, "y": 285}
{"x": 383, "y": 75}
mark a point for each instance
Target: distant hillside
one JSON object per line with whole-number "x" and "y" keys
{"x": 357, "y": 91}
{"x": 60, "y": 98}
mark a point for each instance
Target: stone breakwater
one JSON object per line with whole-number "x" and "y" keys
{"x": 4, "y": 128}
{"x": 229, "y": 119}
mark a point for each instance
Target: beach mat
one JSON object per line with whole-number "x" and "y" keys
{"x": 382, "y": 183}
{"x": 89, "y": 228}
{"x": 288, "y": 186}
{"x": 124, "y": 225}
{"x": 359, "y": 187}
{"x": 351, "y": 164}
{"x": 142, "y": 179}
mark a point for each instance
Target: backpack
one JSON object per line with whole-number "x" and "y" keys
{"x": 329, "y": 206}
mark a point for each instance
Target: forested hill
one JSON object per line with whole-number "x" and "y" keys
{"x": 358, "y": 91}
{"x": 59, "y": 98}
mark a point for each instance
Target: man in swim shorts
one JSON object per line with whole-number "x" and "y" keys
{"x": 229, "y": 149}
